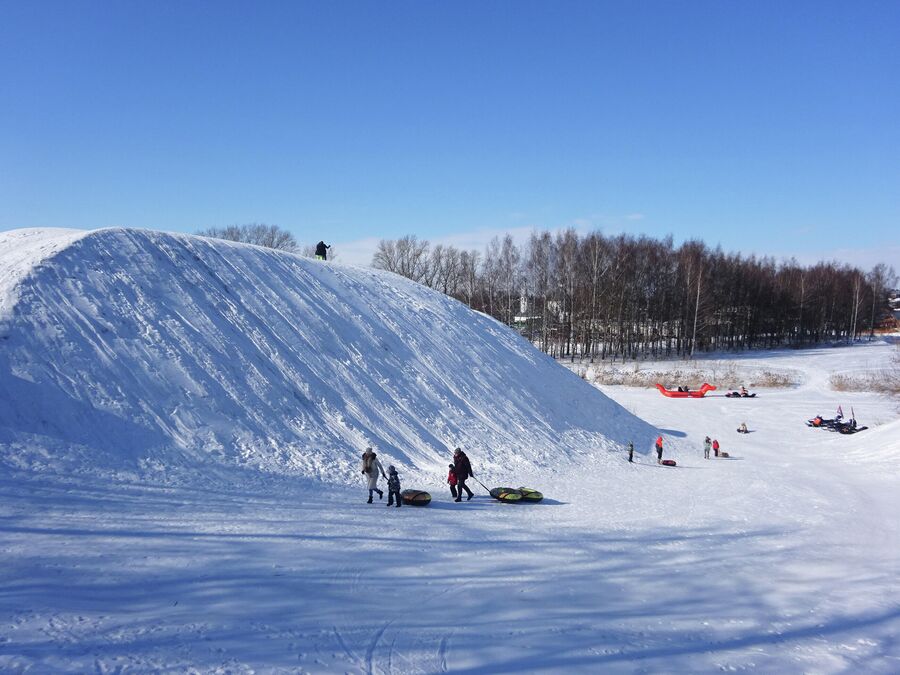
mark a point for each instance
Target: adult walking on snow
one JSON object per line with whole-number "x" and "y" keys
{"x": 322, "y": 251}
{"x": 659, "y": 446}
{"x": 371, "y": 467}
{"x": 463, "y": 470}
{"x": 630, "y": 452}
{"x": 706, "y": 446}
{"x": 715, "y": 446}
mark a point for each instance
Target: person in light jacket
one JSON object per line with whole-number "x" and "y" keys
{"x": 371, "y": 467}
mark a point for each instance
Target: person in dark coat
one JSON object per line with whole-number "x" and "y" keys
{"x": 393, "y": 486}
{"x": 631, "y": 452}
{"x": 463, "y": 470}
{"x": 321, "y": 251}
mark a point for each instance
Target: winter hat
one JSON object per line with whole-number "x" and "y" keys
{"x": 391, "y": 469}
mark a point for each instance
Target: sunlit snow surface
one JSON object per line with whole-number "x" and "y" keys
{"x": 784, "y": 558}
{"x": 140, "y": 351}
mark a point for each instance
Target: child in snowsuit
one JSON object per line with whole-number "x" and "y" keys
{"x": 715, "y": 447}
{"x": 659, "y": 446}
{"x": 393, "y": 486}
{"x": 451, "y": 481}
{"x": 706, "y": 445}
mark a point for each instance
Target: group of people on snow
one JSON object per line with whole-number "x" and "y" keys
{"x": 460, "y": 471}
{"x": 710, "y": 444}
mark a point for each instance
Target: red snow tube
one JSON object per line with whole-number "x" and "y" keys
{"x": 668, "y": 462}
{"x": 700, "y": 393}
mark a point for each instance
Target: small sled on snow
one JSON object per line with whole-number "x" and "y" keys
{"x": 724, "y": 454}
{"x": 737, "y": 394}
{"x": 668, "y": 462}
{"x": 529, "y": 495}
{"x": 506, "y": 494}
{"x": 416, "y": 497}
{"x": 700, "y": 393}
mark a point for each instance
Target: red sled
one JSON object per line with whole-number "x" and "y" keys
{"x": 700, "y": 393}
{"x": 668, "y": 462}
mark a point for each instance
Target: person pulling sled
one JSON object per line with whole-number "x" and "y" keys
{"x": 463, "y": 470}
{"x": 659, "y": 449}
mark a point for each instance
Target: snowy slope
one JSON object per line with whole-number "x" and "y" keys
{"x": 159, "y": 353}
{"x": 782, "y": 559}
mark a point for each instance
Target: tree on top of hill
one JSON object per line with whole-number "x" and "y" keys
{"x": 260, "y": 234}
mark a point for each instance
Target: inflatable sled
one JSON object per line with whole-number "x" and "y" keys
{"x": 723, "y": 454}
{"x": 416, "y": 497}
{"x": 668, "y": 462}
{"x": 529, "y": 495}
{"x": 505, "y": 494}
{"x": 737, "y": 394}
{"x": 700, "y": 393}
{"x": 847, "y": 429}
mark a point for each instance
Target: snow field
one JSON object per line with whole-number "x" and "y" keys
{"x": 133, "y": 541}
{"x": 781, "y": 560}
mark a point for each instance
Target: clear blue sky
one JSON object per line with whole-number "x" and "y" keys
{"x": 768, "y": 127}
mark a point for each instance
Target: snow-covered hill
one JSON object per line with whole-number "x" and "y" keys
{"x": 137, "y": 350}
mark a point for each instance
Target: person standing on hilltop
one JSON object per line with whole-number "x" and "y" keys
{"x": 463, "y": 470}
{"x": 322, "y": 251}
{"x": 371, "y": 467}
{"x": 631, "y": 452}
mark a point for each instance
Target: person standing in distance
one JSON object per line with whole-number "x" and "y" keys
{"x": 322, "y": 250}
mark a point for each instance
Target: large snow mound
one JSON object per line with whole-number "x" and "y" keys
{"x": 136, "y": 350}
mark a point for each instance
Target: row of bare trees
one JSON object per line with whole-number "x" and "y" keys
{"x": 598, "y": 296}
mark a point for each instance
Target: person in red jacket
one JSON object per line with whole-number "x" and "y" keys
{"x": 716, "y": 446}
{"x": 463, "y": 470}
{"x": 659, "y": 447}
{"x": 451, "y": 481}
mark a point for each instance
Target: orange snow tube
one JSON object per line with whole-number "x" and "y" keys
{"x": 700, "y": 393}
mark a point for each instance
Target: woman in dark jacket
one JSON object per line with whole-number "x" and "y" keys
{"x": 463, "y": 470}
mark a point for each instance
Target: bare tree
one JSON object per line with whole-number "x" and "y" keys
{"x": 407, "y": 257}
{"x": 260, "y": 234}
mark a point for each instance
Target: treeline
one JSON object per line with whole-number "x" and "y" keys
{"x": 598, "y": 296}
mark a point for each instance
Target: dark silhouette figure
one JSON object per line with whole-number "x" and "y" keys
{"x": 322, "y": 251}
{"x": 463, "y": 470}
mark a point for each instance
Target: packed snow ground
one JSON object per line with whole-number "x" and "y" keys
{"x": 784, "y": 558}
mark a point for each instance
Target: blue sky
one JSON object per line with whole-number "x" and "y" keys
{"x": 766, "y": 127}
